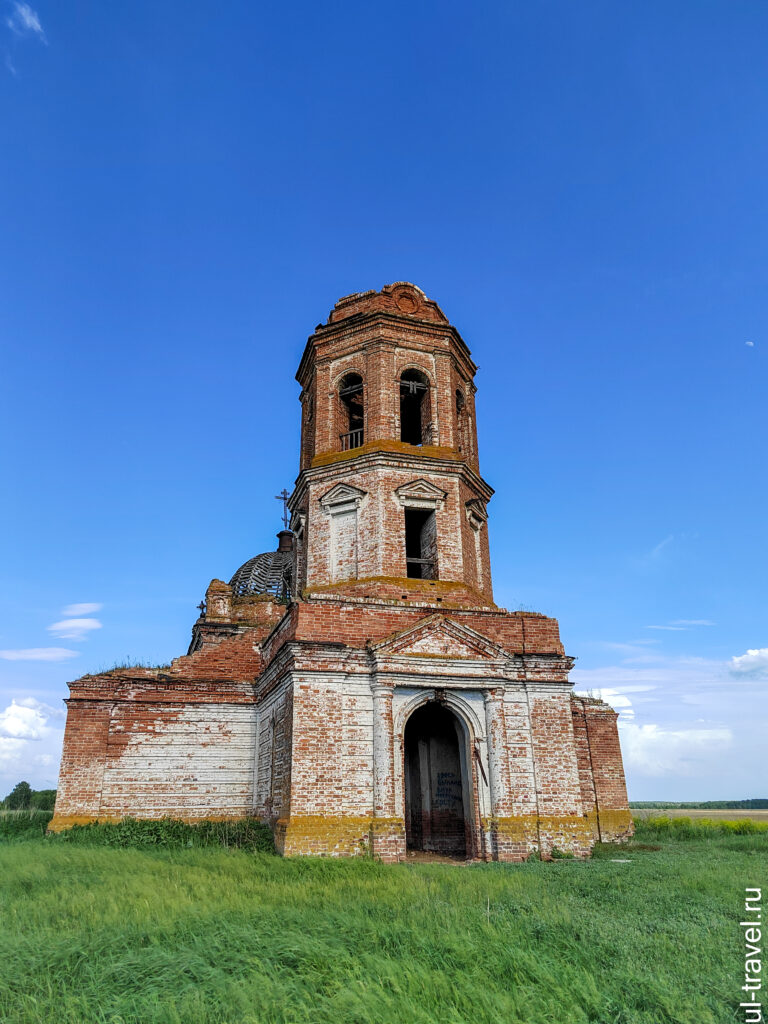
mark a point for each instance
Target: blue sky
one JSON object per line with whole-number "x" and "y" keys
{"x": 186, "y": 189}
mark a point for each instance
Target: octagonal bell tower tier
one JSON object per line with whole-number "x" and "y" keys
{"x": 389, "y": 499}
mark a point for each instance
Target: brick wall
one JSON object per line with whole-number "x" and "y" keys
{"x": 150, "y": 744}
{"x": 356, "y": 623}
{"x": 81, "y": 775}
{"x": 601, "y": 769}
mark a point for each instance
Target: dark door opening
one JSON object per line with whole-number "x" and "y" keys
{"x": 421, "y": 544}
{"x": 434, "y": 781}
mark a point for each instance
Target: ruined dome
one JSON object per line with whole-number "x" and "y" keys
{"x": 269, "y": 573}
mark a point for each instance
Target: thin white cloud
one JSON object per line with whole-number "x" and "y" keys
{"x": 24, "y": 20}
{"x": 633, "y": 647}
{"x": 749, "y": 344}
{"x": 753, "y": 663}
{"x": 661, "y": 545}
{"x": 74, "y": 629}
{"x": 671, "y": 676}
{"x": 606, "y": 691}
{"x": 691, "y": 622}
{"x": 75, "y": 611}
{"x": 680, "y": 625}
{"x": 655, "y": 751}
{"x": 638, "y": 653}
{"x": 618, "y": 699}
{"x": 39, "y": 654}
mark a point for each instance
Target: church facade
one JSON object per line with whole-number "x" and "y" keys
{"x": 358, "y": 688}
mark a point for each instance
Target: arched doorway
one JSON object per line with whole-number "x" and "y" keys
{"x": 437, "y": 783}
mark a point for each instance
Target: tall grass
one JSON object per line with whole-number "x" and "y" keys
{"x": 242, "y": 834}
{"x": 666, "y": 828}
{"x": 15, "y": 825}
{"x": 95, "y": 935}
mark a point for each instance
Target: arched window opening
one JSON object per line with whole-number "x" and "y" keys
{"x": 415, "y": 408}
{"x": 438, "y": 787}
{"x": 351, "y": 398}
{"x": 462, "y": 424}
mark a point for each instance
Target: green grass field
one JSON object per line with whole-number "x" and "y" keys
{"x": 688, "y": 812}
{"x": 201, "y": 935}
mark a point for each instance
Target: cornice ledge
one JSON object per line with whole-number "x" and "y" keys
{"x": 389, "y": 457}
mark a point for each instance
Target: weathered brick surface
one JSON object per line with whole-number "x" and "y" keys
{"x": 601, "y": 769}
{"x": 355, "y": 623}
{"x": 298, "y": 714}
{"x": 153, "y": 744}
{"x": 83, "y": 760}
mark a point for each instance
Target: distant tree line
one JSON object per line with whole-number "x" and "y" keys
{"x": 22, "y": 798}
{"x": 705, "y": 805}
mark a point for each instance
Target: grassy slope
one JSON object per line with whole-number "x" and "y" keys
{"x": 206, "y": 935}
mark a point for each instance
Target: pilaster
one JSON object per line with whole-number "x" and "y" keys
{"x": 387, "y": 830}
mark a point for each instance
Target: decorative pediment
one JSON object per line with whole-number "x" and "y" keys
{"x": 421, "y": 494}
{"x": 402, "y": 297}
{"x": 439, "y": 637}
{"x": 476, "y": 513}
{"x": 341, "y": 498}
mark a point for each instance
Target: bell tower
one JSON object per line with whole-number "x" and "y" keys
{"x": 365, "y": 692}
{"x": 389, "y": 502}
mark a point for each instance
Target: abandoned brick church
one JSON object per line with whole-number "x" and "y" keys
{"x": 358, "y": 688}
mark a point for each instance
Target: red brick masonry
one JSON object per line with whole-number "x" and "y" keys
{"x": 297, "y": 713}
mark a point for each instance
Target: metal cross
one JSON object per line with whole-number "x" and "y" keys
{"x": 284, "y": 496}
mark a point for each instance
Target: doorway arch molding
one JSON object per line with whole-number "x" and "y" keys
{"x": 466, "y": 714}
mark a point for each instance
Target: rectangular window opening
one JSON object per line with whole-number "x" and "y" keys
{"x": 421, "y": 544}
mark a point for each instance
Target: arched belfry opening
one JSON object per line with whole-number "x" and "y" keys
{"x": 462, "y": 424}
{"x": 415, "y": 408}
{"x": 438, "y": 786}
{"x": 352, "y": 411}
